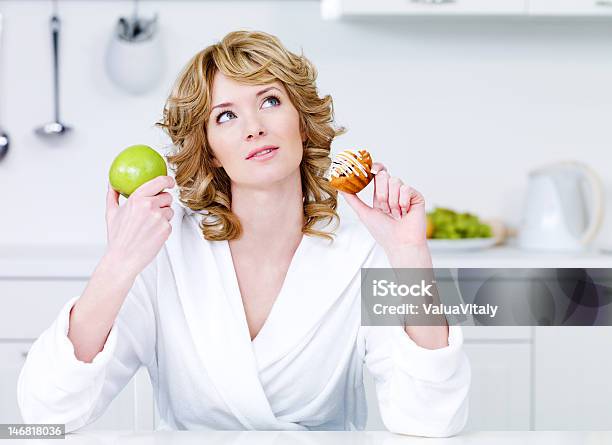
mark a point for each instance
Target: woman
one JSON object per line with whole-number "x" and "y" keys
{"x": 244, "y": 313}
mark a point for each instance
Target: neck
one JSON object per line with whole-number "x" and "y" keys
{"x": 272, "y": 214}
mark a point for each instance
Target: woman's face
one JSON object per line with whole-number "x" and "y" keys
{"x": 248, "y": 119}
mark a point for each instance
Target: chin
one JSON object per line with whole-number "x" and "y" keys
{"x": 271, "y": 174}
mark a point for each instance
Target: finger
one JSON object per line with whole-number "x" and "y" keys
{"x": 394, "y": 190}
{"x": 404, "y": 198}
{"x": 360, "y": 207}
{"x": 381, "y": 191}
{"x": 409, "y": 198}
{"x": 167, "y": 212}
{"x": 162, "y": 200}
{"x": 154, "y": 186}
{"x": 112, "y": 200}
{"x": 377, "y": 167}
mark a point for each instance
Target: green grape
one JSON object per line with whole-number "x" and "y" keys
{"x": 449, "y": 224}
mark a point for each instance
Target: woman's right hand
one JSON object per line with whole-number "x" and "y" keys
{"x": 137, "y": 230}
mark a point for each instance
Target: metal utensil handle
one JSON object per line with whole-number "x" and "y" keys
{"x": 55, "y": 30}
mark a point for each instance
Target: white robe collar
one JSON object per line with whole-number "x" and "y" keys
{"x": 318, "y": 275}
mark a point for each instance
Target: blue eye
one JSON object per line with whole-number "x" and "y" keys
{"x": 223, "y": 113}
{"x": 274, "y": 98}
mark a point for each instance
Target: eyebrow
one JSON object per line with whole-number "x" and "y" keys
{"x": 229, "y": 104}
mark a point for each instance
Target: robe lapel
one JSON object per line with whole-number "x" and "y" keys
{"x": 217, "y": 333}
{"x": 318, "y": 276}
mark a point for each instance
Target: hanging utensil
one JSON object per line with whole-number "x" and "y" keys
{"x": 56, "y": 127}
{"x": 135, "y": 54}
{"x": 136, "y": 28}
{"x": 4, "y": 137}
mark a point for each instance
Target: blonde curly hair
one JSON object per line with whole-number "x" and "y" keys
{"x": 254, "y": 58}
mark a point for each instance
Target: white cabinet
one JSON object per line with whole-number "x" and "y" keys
{"x": 345, "y": 8}
{"x": 570, "y": 7}
{"x": 12, "y": 356}
{"x": 572, "y": 378}
{"x": 501, "y": 386}
{"x": 336, "y": 9}
{"x": 29, "y": 306}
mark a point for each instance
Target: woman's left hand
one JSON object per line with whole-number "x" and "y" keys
{"x": 397, "y": 217}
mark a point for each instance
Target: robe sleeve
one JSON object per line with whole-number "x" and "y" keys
{"x": 421, "y": 392}
{"x": 55, "y": 387}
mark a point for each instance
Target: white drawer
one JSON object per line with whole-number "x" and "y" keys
{"x": 28, "y": 307}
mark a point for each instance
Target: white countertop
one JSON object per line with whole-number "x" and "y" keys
{"x": 511, "y": 256}
{"x": 79, "y": 261}
{"x": 327, "y": 438}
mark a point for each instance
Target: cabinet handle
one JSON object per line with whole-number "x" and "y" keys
{"x": 605, "y": 3}
{"x": 434, "y": 2}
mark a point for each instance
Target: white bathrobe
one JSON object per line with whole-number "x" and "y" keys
{"x": 184, "y": 320}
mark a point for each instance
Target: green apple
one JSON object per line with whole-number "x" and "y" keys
{"x": 133, "y": 167}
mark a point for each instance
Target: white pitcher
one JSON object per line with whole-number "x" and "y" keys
{"x": 559, "y": 215}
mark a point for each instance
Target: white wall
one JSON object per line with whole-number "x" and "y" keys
{"x": 460, "y": 109}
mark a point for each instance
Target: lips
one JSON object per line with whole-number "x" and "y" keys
{"x": 261, "y": 151}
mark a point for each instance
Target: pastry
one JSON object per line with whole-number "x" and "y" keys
{"x": 350, "y": 171}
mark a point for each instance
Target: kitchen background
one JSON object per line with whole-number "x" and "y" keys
{"x": 461, "y": 108}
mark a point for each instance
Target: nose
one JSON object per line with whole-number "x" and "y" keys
{"x": 251, "y": 134}
{"x": 259, "y": 133}
{"x": 254, "y": 129}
